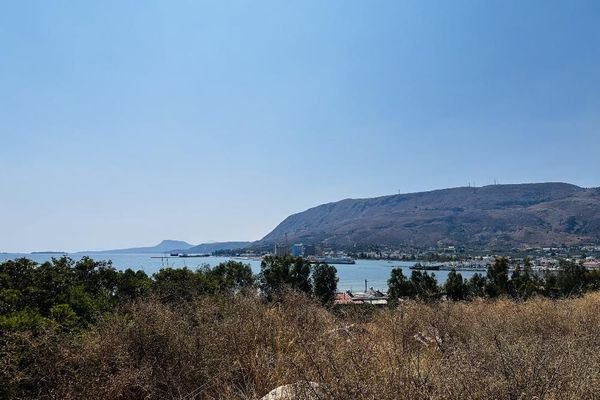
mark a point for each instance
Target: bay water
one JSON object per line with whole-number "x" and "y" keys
{"x": 351, "y": 276}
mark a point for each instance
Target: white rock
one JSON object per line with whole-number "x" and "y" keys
{"x": 295, "y": 391}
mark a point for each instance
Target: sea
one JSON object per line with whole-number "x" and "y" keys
{"x": 351, "y": 276}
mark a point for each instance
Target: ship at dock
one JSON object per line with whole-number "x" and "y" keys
{"x": 332, "y": 260}
{"x": 427, "y": 267}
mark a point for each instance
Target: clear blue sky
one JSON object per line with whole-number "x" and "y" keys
{"x": 126, "y": 122}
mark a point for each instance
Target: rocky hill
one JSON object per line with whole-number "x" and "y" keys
{"x": 498, "y": 216}
{"x": 163, "y": 247}
{"x": 212, "y": 247}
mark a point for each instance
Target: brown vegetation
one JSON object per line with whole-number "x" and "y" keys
{"x": 495, "y": 216}
{"x": 240, "y": 347}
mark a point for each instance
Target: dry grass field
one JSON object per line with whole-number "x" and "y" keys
{"x": 241, "y": 348}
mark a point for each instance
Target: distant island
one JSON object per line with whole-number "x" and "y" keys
{"x": 168, "y": 246}
{"x": 163, "y": 247}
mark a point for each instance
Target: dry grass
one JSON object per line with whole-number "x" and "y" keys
{"x": 241, "y": 348}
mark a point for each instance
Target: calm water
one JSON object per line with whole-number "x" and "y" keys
{"x": 352, "y": 277}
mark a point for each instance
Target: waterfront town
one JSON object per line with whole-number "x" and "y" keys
{"x": 540, "y": 260}
{"x": 447, "y": 258}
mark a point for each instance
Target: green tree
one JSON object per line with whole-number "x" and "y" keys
{"x": 50, "y": 284}
{"x": 476, "y": 286}
{"x": 65, "y": 316}
{"x": 425, "y": 285}
{"x": 497, "y": 278}
{"x": 9, "y": 300}
{"x": 300, "y": 275}
{"x": 132, "y": 285}
{"x": 179, "y": 284}
{"x": 325, "y": 282}
{"x": 274, "y": 275}
{"x": 398, "y": 285}
{"x": 455, "y": 286}
{"x": 280, "y": 273}
{"x": 593, "y": 280}
{"x": 523, "y": 282}
{"x": 18, "y": 275}
{"x": 87, "y": 307}
{"x": 231, "y": 276}
{"x": 23, "y": 320}
{"x": 571, "y": 278}
{"x": 550, "y": 287}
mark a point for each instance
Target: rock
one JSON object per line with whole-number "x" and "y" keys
{"x": 295, "y": 391}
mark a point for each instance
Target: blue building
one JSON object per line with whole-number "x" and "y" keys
{"x": 297, "y": 250}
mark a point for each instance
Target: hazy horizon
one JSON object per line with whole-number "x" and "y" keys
{"x": 123, "y": 124}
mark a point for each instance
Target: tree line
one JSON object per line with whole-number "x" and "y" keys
{"x": 73, "y": 294}
{"x": 571, "y": 279}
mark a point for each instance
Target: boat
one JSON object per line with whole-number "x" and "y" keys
{"x": 335, "y": 260}
{"x": 426, "y": 267}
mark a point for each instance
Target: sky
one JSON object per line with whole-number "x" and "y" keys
{"x": 123, "y": 123}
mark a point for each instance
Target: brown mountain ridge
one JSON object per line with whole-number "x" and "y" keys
{"x": 496, "y": 216}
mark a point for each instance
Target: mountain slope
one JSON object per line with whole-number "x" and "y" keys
{"x": 167, "y": 246}
{"x": 212, "y": 247}
{"x": 498, "y": 216}
{"x": 163, "y": 247}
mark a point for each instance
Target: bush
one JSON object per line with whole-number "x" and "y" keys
{"x": 240, "y": 347}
